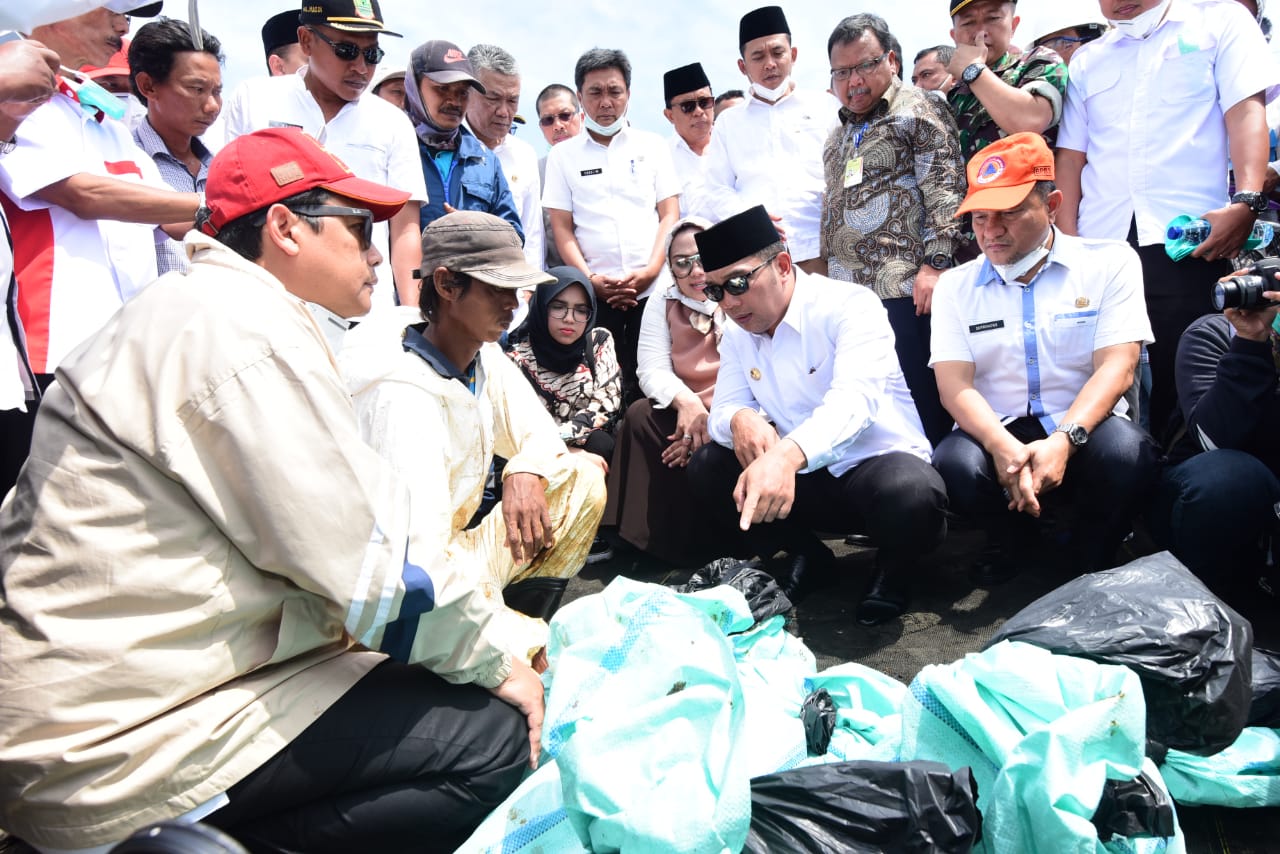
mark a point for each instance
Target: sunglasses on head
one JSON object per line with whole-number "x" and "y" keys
{"x": 736, "y": 285}
{"x": 347, "y": 52}
{"x": 335, "y": 210}
{"x": 704, "y": 103}
{"x": 548, "y": 121}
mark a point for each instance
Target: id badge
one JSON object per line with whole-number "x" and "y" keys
{"x": 853, "y": 172}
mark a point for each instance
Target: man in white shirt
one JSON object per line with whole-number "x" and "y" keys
{"x": 770, "y": 152}
{"x": 489, "y": 116}
{"x": 280, "y": 44}
{"x": 1034, "y": 346}
{"x": 326, "y": 99}
{"x": 1153, "y": 110}
{"x": 559, "y": 118}
{"x": 843, "y": 449}
{"x": 612, "y": 195}
{"x": 691, "y": 111}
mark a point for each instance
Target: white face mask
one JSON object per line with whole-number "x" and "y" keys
{"x": 1012, "y": 272}
{"x": 771, "y": 95}
{"x": 1143, "y": 24}
{"x": 604, "y": 130}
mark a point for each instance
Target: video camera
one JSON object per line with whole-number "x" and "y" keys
{"x": 1245, "y": 292}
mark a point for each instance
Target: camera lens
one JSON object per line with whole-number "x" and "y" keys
{"x": 1243, "y": 292}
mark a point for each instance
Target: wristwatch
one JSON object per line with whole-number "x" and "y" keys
{"x": 941, "y": 261}
{"x": 1256, "y": 201}
{"x": 972, "y": 71}
{"x": 7, "y": 145}
{"x": 1076, "y": 434}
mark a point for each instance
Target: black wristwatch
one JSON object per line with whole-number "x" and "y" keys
{"x": 972, "y": 71}
{"x": 7, "y": 145}
{"x": 1256, "y": 201}
{"x": 1076, "y": 434}
{"x": 941, "y": 261}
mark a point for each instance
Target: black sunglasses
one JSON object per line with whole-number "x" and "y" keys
{"x": 347, "y": 52}
{"x": 366, "y": 217}
{"x": 548, "y": 121}
{"x": 703, "y": 103}
{"x": 737, "y": 285}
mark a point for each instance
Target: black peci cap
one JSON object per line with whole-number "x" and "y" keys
{"x": 740, "y": 236}
{"x": 758, "y": 23}
{"x": 280, "y": 30}
{"x": 686, "y": 78}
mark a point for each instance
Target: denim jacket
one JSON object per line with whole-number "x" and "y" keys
{"x": 476, "y": 183}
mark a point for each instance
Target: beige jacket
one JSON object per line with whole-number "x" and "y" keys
{"x": 198, "y": 540}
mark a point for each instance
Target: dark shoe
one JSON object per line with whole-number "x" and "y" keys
{"x": 993, "y": 567}
{"x": 600, "y": 551}
{"x": 537, "y": 597}
{"x": 886, "y": 599}
{"x": 802, "y": 574}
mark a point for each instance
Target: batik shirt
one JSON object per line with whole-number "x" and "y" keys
{"x": 894, "y": 179}
{"x": 589, "y": 398}
{"x": 1040, "y": 71}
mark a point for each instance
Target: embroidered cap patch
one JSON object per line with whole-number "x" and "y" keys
{"x": 991, "y": 169}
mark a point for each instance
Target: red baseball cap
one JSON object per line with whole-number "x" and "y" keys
{"x": 258, "y": 169}
{"x": 1002, "y": 174}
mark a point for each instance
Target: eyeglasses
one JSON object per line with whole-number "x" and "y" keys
{"x": 1057, "y": 43}
{"x": 333, "y": 210}
{"x": 558, "y": 310}
{"x": 682, "y": 265}
{"x": 347, "y": 52}
{"x": 548, "y": 121}
{"x": 738, "y": 285}
{"x": 704, "y": 103}
{"x": 862, "y": 69}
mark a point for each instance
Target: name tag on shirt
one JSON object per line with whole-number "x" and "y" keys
{"x": 853, "y": 172}
{"x": 987, "y": 326}
{"x": 585, "y": 172}
{"x": 279, "y": 124}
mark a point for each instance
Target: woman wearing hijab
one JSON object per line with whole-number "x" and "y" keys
{"x": 571, "y": 363}
{"x": 678, "y": 360}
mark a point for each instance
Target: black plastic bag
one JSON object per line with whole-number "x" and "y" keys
{"x": 1134, "y": 809}
{"x": 761, "y": 590}
{"x": 818, "y": 714}
{"x": 865, "y": 806}
{"x": 1265, "y": 708}
{"x": 1191, "y": 651}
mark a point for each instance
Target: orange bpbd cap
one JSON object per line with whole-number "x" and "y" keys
{"x": 1002, "y": 174}
{"x": 258, "y": 169}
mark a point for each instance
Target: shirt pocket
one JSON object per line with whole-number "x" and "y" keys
{"x": 1188, "y": 77}
{"x": 634, "y": 180}
{"x": 1102, "y": 92}
{"x": 1071, "y": 337}
{"x": 478, "y": 190}
{"x": 993, "y": 341}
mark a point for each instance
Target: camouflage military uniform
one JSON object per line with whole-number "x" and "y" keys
{"x": 1039, "y": 70}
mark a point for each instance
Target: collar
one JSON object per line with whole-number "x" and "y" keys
{"x": 1065, "y": 252}
{"x": 880, "y": 107}
{"x": 150, "y": 141}
{"x": 415, "y": 342}
{"x": 794, "y": 316}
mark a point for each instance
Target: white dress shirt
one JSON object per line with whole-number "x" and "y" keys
{"x": 1032, "y": 345}
{"x": 691, "y": 169}
{"x": 771, "y": 155}
{"x": 520, "y": 165}
{"x": 828, "y": 377}
{"x": 370, "y": 135}
{"x": 613, "y": 191}
{"x": 654, "y": 369}
{"x": 1148, "y": 115}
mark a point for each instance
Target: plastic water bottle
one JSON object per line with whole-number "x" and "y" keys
{"x": 1184, "y": 234}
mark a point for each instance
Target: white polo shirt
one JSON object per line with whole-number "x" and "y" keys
{"x": 1032, "y": 345}
{"x": 520, "y": 165}
{"x": 828, "y": 377}
{"x": 1148, "y": 115}
{"x": 691, "y": 170}
{"x": 771, "y": 155}
{"x": 613, "y": 191}
{"x": 371, "y": 136}
{"x": 73, "y": 273}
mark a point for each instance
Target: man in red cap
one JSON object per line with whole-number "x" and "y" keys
{"x": 214, "y": 603}
{"x": 1034, "y": 346}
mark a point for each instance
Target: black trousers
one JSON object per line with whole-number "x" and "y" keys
{"x": 625, "y": 327}
{"x": 911, "y": 333}
{"x": 896, "y": 499}
{"x": 404, "y": 761}
{"x": 1177, "y": 293}
{"x": 1106, "y": 483}
{"x": 15, "y": 437}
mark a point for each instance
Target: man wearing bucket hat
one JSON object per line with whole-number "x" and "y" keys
{"x": 844, "y": 450}
{"x": 340, "y": 41}
{"x": 1034, "y": 345}
{"x": 280, "y": 639}
{"x": 438, "y": 399}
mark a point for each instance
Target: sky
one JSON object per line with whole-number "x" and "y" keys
{"x": 547, "y": 37}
